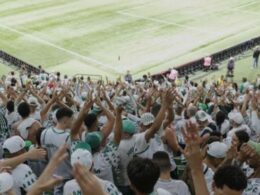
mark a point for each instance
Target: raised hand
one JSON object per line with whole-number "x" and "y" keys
{"x": 36, "y": 154}
{"x": 88, "y": 182}
{"x": 47, "y": 180}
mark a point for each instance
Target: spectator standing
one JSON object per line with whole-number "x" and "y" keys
{"x": 230, "y": 67}
{"x": 128, "y": 77}
{"x": 207, "y": 63}
{"x": 256, "y": 57}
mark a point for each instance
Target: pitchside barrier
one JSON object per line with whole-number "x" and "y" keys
{"x": 183, "y": 69}
{"x": 217, "y": 57}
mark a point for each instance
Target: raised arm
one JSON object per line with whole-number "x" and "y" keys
{"x": 82, "y": 114}
{"x": 40, "y": 100}
{"x": 108, "y": 127}
{"x": 4, "y": 99}
{"x": 118, "y": 126}
{"x": 167, "y": 98}
{"x": 33, "y": 154}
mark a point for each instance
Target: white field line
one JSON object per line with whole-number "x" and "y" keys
{"x": 85, "y": 58}
{"x": 162, "y": 21}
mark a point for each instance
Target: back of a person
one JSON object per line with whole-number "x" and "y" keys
{"x": 52, "y": 139}
{"x": 72, "y": 188}
{"x": 175, "y": 187}
{"x": 126, "y": 153}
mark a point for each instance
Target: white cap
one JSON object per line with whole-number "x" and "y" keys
{"x": 147, "y": 118}
{"x": 217, "y": 149}
{"x": 236, "y": 117}
{"x": 33, "y": 101}
{"x": 201, "y": 116}
{"x": 14, "y": 144}
{"x": 83, "y": 157}
{"x": 6, "y": 182}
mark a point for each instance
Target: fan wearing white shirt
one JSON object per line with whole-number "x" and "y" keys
{"x": 175, "y": 187}
{"x": 143, "y": 175}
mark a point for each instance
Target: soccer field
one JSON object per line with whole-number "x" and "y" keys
{"x": 108, "y": 37}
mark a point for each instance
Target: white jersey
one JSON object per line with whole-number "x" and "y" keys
{"x": 175, "y": 187}
{"x": 12, "y": 118}
{"x": 208, "y": 175}
{"x": 72, "y": 188}
{"x": 242, "y": 127}
{"x": 127, "y": 149}
{"x": 253, "y": 187}
{"x": 24, "y": 126}
{"x": 52, "y": 139}
{"x": 106, "y": 162}
{"x": 24, "y": 178}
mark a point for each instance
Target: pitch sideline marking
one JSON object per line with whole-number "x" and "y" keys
{"x": 87, "y": 59}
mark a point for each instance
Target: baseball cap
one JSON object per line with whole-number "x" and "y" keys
{"x": 14, "y": 144}
{"x": 6, "y": 182}
{"x": 236, "y": 117}
{"x": 128, "y": 126}
{"x": 83, "y": 145}
{"x": 201, "y": 116}
{"x": 94, "y": 139}
{"x": 147, "y": 119}
{"x": 83, "y": 157}
{"x": 217, "y": 149}
{"x": 32, "y": 101}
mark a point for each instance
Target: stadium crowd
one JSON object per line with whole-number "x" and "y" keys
{"x": 72, "y": 136}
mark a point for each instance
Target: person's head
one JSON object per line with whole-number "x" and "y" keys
{"x": 13, "y": 146}
{"x": 191, "y": 111}
{"x": 147, "y": 120}
{"x": 162, "y": 159}
{"x": 209, "y": 140}
{"x": 32, "y": 101}
{"x": 24, "y": 110}
{"x": 91, "y": 121}
{"x": 128, "y": 72}
{"x": 216, "y": 153}
{"x": 236, "y": 119}
{"x": 143, "y": 175}
{"x": 10, "y": 106}
{"x": 229, "y": 180}
{"x": 220, "y": 118}
{"x": 155, "y": 109}
{"x": 128, "y": 128}
{"x": 64, "y": 117}
{"x": 94, "y": 140}
{"x": 239, "y": 138}
{"x": 82, "y": 156}
{"x": 178, "y": 110}
{"x": 202, "y": 118}
{"x": 244, "y": 79}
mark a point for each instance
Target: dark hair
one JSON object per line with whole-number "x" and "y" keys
{"x": 162, "y": 159}
{"x": 63, "y": 112}
{"x": 230, "y": 176}
{"x": 242, "y": 137}
{"x": 10, "y": 106}
{"x": 90, "y": 119}
{"x": 143, "y": 174}
{"x": 235, "y": 86}
{"x": 24, "y": 109}
{"x": 155, "y": 109}
{"x": 244, "y": 79}
{"x": 220, "y": 118}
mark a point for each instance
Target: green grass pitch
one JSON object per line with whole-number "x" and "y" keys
{"x": 108, "y": 37}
